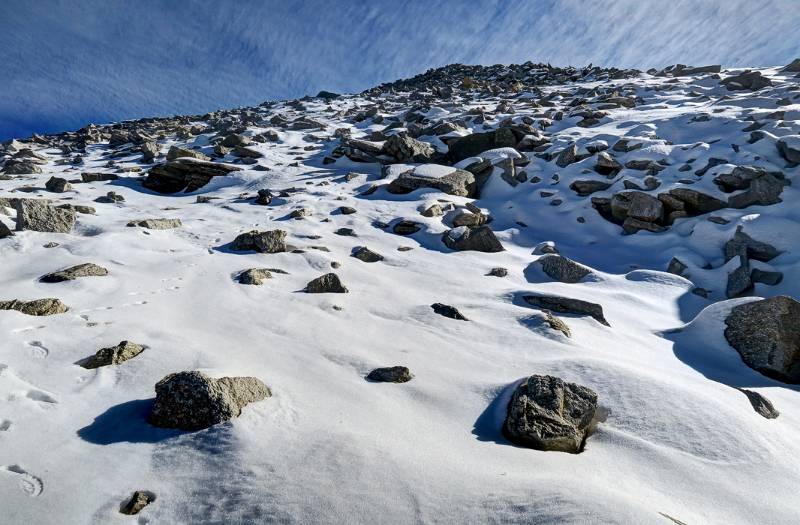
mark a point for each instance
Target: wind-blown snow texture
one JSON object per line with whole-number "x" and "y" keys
{"x": 676, "y": 439}
{"x": 66, "y": 64}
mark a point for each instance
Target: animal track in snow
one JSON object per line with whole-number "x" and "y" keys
{"x": 30, "y": 484}
{"x": 37, "y": 349}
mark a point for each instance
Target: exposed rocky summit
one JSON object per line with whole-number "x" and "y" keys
{"x": 548, "y": 413}
{"x": 194, "y": 401}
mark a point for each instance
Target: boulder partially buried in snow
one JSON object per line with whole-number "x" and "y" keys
{"x": 74, "y": 272}
{"x": 270, "y": 241}
{"x": 38, "y": 307}
{"x": 328, "y": 283}
{"x": 113, "y": 355}
{"x": 447, "y": 179}
{"x": 41, "y": 216}
{"x": 562, "y": 268}
{"x": 406, "y": 149}
{"x": 480, "y": 239}
{"x": 156, "y": 224}
{"x": 185, "y": 174}
{"x": 548, "y": 413}
{"x": 567, "y": 305}
{"x": 766, "y": 334}
{"x": 193, "y": 400}
{"x": 789, "y": 148}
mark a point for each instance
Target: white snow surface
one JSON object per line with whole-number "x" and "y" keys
{"x": 677, "y": 440}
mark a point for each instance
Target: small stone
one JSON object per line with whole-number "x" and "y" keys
{"x": 557, "y": 324}
{"x": 481, "y": 239}
{"x": 114, "y": 355}
{"x": 138, "y": 501}
{"x": 448, "y": 311}
{"x": 328, "y": 283}
{"x": 156, "y": 224}
{"x": 498, "y": 272}
{"x": 393, "y": 374}
{"x": 365, "y": 254}
{"x": 346, "y": 210}
{"x": 264, "y": 197}
{"x": 271, "y": 241}
{"x": 562, "y": 269}
{"x": 567, "y": 305}
{"x": 406, "y": 227}
{"x": 58, "y": 185}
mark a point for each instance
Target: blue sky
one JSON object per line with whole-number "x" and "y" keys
{"x": 67, "y": 63}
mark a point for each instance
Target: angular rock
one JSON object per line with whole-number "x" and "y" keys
{"x": 58, "y": 185}
{"x": 562, "y": 269}
{"x": 498, "y": 272}
{"x": 697, "y": 202}
{"x": 271, "y": 241}
{"x": 748, "y": 80}
{"x": 443, "y": 178}
{"x": 365, "y": 254}
{"x": 567, "y": 305}
{"x": 5, "y": 231}
{"x": 448, "y": 311}
{"x": 392, "y": 374}
{"x": 138, "y": 501}
{"x": 41, "y": 216}
{"x": 548, "y": 413}
{"x": 567, "y": 156}
{"x": 176, "y": 152}
{"x": 557, "y": 324}
{"x": 584, "y": 188}
{"x": 184, "y": 174}
{"x": 760, "y": 404}
{"x": 328, "y": 283}
{"x": 38, "y": 307}
{"x": 264, "y": 197}
{"x": 254, "y": 276}
{"x": 406, "y": 149}
{"x": 114, "y": 355}
{"x": 481, "y": 239}
{"x": 405, "y": 227}
{"x": 789, "y": 148}
{"x": 156, "y": 224}
{"x": 473, "y": 145}
{"x": 743, "y": 244}
{"x": 150, "y": 151}
{"x": 194, "y": 401}
{"x": 766, "y": 334}
{"x": 74, "y": 272}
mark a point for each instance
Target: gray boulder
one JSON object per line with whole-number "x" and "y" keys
{"x": 5, "y": 231}
{"x": 446, "y": 310}
{"x": 114, "y": 355}
{"x": 38, "y": 307}
{"x": 548, "y": 413}
{"x": 456, "y": 182}
{"x": 743, "y": 244}
{"x": 363, "y": 253}
{"x": 392, "y": 374}
{"x": 156, "y": 224}
{"x": 766, "y": 334}
{"x": 57, "y": 185}
{"x": 584, "y": 188}
{"x": 760, "y": 404}
{"x": 271, "y": 241}
{"x": 150, "y": 151}
{"x": 562, "y": 268}
{"x": 481, "y": 239}
{"x": 567, "y": 156}
{"x": 472, "y": 145}
{"x": 194, "y": 401}
{"x": 41, "y": 216}
{"x": 176, "y": 152}
{"x": 138, "y": 501}
{"x": 789, "y": 148}
{"x": 567, "y": 305}
{"x": 748, "y": 80}
{"x": 406, "y": 149}
{"x": 74, "y": 272}
{"x": 184, "y": 174}
{"x": 255, "y": 276}
{"x": 328, "y": 283}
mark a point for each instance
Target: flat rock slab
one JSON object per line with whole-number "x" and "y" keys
{"x": 567, "y": 305}
{"x": 156, "y": 224}
{"x": 41, "y": 216}
{"x": 37, "y": 307}
{"x": 74, "y": 272}
{"x": 328, "y": 283}
{"x": 185, "y": 174}
{"x": 113, "y": 355}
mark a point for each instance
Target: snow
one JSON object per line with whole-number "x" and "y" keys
{"x": 677, "y": 438}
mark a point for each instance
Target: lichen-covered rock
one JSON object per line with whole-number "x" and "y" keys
{"x": 74, "y": 272}
{"x": 58, "y": 185}
{"x": 270, "y": 241}
{"x": 766, "y": 334}
{"x": 328, "y": 283}
{"x": 113, "y": 355}
{"x": 41, "y": 216}
{"x": 365, "y": 254}
{"x": 449, "y": 180}
{"x": 406, "y": 149}
{"x": 138, "y": 501}
{"x": 156, "y": 224}
{"x": 548, "y": 413}
{"x": 567, "y": 305}
{"x": 38, "y": 307}
{"x": 194, "y": 401}
{"x": 254, "y": 276}
{"x": 481, "y": 239}
{"x": 562, "y": 269}
{"x": 760, "y": 404}
{"x": 392, "y": 374}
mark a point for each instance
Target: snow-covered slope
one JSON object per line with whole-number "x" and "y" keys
{"x": 676, "y": 441}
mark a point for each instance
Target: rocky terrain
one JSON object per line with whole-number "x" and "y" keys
{"x": 504, "y": 294}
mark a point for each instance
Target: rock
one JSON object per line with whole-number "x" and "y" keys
{"x": 607, "y": 165}
{"x": 328, "y": 283}
{"x": 74, "y": 272}
{"x": 150, "y": 151}
{"x": 138, "y": 501}
{"x": 637, "y": 205}
{"x": 792, "y": 67}
{"x": 254, "y": 276}
{"x": 58, "y": 185}
{"x": 365, "y": 254}
{"x": 631, "y": 225}
{"x": 40, "y": 216}
{"x": 562, "y": 269}
{"x": 748, "y": 80}
{"x": 584, "y": 188}
{"x": 766, "y": 277}
{"x": 405, "y": 227}
{"x": 743, "y": 244}
{"x": 406, "y": 149}
{"x": 766, "y": 334}
{"x": 271, "y": 241}
{"x": 789, "y": 148}
{"x": 184, "y": 174}
{"x": 5, "y": 231}
{"x": 567, "y": 305}
{"x": 498, "y": 272}
{"x": 481, "y": 239}
{"x": 676, "y": 267}
{"x": 301, "y": 213}
{"x": 760, "y": 404}
{"x": 470, "y": 219}
{"x": 739, "y": 282}
{"x": 21, "y": 167}
{"x": 443, "y": 178}
{"x": 246, "y": 153}
{"x": 557, "y": 324}
{"x": 156, "y": 224}
{"x": 548, "y": 413}
{"x": 434, "y": 210}
{"x": 764, "y": 191}
{"x": 264, "y": 197}
{"x": 39, "y": 307}
{"x": 114, "y": 355}
{"x": 346, "y": 210}
{"x": 567, "y": 156}
{"x": 697, "y": 202}
{"x": 473, "y": 145}
{"x": 392, "y": 374}
{"x": 194, "y": 401}
{"x": 176, "y": 152}
{"x": 110, "y": 198}
{"x": 448, "y": 311}
{"x": 97, "y": 177}
{"x": 235, "y": 139}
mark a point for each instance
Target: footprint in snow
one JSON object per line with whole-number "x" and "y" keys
{"x": 30, "y": 484}
{"x": 37, "y": 349}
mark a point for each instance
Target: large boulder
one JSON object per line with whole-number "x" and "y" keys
{"x": 548, "y": 413}
{"x": 481, "y": 239}
{"x": 38, "y": 307}
{"x": 271, "y": 241}
{"x": 748, "y": 80}
{"x": 177, "y": 152}
{"x": 390, "y": 374}
{"x": 473, "y": 145}
{"x": 74, "y": 272}
{"x": 766, "y": 334}
{"x": 328, "y": 283}
{"x": 194, "y": 401}
{"x": 567, "y": 305}
{"x": 41, "y": 216}
{"x": 155, "y": 224}
{"x": 636, "y": 204}
{"x": 185, "y": 174}
{"x": 447, "y": 179}
{"x": 562, "y": 269}
{"x": 789, "y": 148}
{"x": 406, "y": 149}
{"x": 697, "y": 202}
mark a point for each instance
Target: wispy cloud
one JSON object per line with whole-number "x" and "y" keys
{"x": 69, "y": 63}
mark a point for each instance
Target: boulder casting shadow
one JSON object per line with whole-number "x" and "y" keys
{"x": 126, "y": 423}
